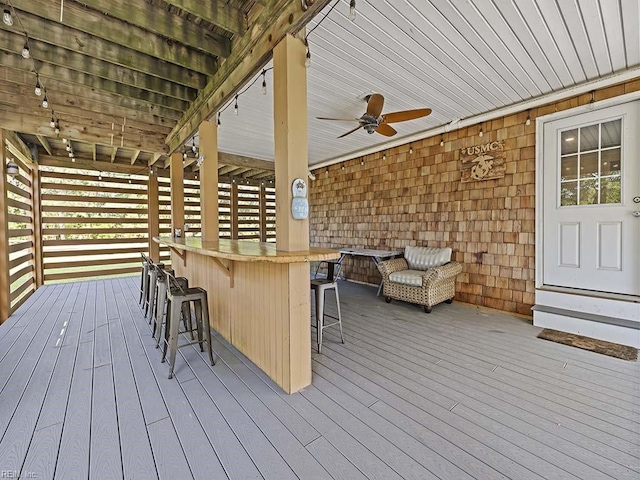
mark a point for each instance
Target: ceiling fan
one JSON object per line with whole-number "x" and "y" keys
{"x": 374, "y": 121}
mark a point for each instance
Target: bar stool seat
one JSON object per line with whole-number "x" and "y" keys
{"x": 177, "y": 296}
{"x": 320, "y": 287}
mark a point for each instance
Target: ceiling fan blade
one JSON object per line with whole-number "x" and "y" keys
{"x": 405, "y": 115}
{"x": 375, "y": 104}
{"x": 338, "y": 119}
{"x": 349, "y": 132}
{"x": 386, "y": 130}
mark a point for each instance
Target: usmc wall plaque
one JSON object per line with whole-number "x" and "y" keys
{"x": 482, "y": 162}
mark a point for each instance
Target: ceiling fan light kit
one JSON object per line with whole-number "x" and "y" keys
{"x": 373, "y": 120}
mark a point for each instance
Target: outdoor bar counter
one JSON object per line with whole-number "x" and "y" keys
{"x": 256, "y": 299}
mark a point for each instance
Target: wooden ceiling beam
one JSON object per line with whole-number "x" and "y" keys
{"x": 117, "y": 31}
{"x": 90, "y": 99}
{"x": 154, "y": 158}
{"x": 249, "y": 54}
{"x": 94, "y": 152}
{"x": 14, "y": 119}
{"x": 44, "y": 53}
{"x": 226, "y": 169}
{"x": 17, "y": 146}
{"x": 58, "y": 35}
{"x": 164, "y": 23}
{"x": 45, "y": 143}
{"x": 80, "y": 110}
{"x": 114, "y": 154}
{"x": 48, "y": 70}
{"x": 102, "y": 165}
{"x": 134, "y": 157}
{"x": 242, "y": 161}
{"x": 216, "y": 12}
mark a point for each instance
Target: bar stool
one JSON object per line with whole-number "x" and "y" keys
{"x": 154, "y": 276}
{"x": 320, "y": 287}
{"x": 177, "y": 296}
{"x": 144, "y": 278}
{"x": 159, "y": 319}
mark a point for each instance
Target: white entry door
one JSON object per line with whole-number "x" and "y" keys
{"x": 591, "y": 195}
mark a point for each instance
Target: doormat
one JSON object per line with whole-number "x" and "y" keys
{"x": 623, "y": 352}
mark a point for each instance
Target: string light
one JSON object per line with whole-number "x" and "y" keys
{"x": 52, "y": 123}
{"x": 38, "y": 89}
{"x": 26, "y": 53}
{"x": 384, "y": 155}
{"x": 100, "y": 176}
{"x": 326, "y": 173}
{"x": 264, "y": 82}
{"x": 7, "y": 18}
{"x": 480, "y": 133}
{"x": 362, "y": 161}
{"x": 352, "y": 10}
{"x": 219, "y": 122}
{"x": 57, "y": 129}
{"x": 410, "y": 149}
{"x": 45, "y": 101}
{"x": 235, "y": 107}
{"x": 307, "y": 60}
{"x": 194, "y": 149}
{"x": 528, "y": 120}
{"x": 441, "y": 140}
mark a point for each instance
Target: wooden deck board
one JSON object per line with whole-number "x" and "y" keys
{"x": 462, "y": 393}
{"x": 522, "y": 401}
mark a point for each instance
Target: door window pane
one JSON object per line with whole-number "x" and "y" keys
{"x": 610, "y": 160}
{"x": 591, "y": 164}
{"x": 610, "y": 190}
{"x": 589, "y": 138}
{"x": 611, "y": 134}
{"x": 569, "y": 141}
{"x": 569, "y": 168}
{"x": 589, "y": 192}
{"x": 569, "y": 194}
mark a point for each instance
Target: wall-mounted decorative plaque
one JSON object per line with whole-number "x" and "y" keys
{"x": 482, "y": 162}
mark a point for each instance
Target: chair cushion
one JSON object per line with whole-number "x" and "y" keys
{"x": 407, "y": 277}
{"x": 424, "y": 258}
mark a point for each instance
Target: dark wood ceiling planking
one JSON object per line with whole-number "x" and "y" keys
{"x": 119, "y": 75}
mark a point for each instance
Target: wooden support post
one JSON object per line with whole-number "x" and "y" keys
{"x": 233, "y": 211}
{"x": 290, "y": 139}
{"x": 36, "y": 200}
{"x": 5, "y": 287}
{"x": 208, "y": 136}
{"x": 153, "y": 215}
{"x": 262, "y": 201}
{"x": 290, "y": 130}
{"x": 177, "y": 193}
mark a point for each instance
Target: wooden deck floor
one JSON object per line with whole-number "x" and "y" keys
{"x": 459, "y": 394}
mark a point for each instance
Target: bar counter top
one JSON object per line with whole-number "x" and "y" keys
{"x": 246, "y": 251}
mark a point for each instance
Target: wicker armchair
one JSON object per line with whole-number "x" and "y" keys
{"x": 425, "y": 276}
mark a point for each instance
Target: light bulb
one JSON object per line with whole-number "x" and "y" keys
{"x": 100, "y": 177}
{"x": 38, "y": 89}
{"x": 64, "y": 140}
{"x": 184, "y": 156}
{"x": 362, "y": 162}
{"x": 68, "y": 147}
{"x": 70, "y": 154}
{"x": 73, "y": 159}
{"x": 7, "y": 18}
{"x": 264, "y": 82}
{"x": 45, "y": 102}
{"x": 193, "y": 148}
{"x": 307, "y": 61}
{"x": 442, "y": 143}
{"x": 129, "y": 181}
{"x": 480, "y": 133}
{"x": 235, "y": 107}
{"x": 25, "y": 51}
{"x": 384, "y": 156}
{"x": 219, "y": 122}
{"x": 57, "y": 130}
{"x": 410, "y": 149}
{"x": 352, "y": 10}
{"x": 528, "y": 122}
{"x": 52, "y": 123}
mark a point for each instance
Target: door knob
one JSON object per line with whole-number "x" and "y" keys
{"x": 636, "y": 214}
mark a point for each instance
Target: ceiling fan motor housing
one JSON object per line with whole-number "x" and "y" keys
{"x": 369, "y": 122}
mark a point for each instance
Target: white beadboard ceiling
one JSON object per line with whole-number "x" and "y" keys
{"x": 461, "y": 58}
